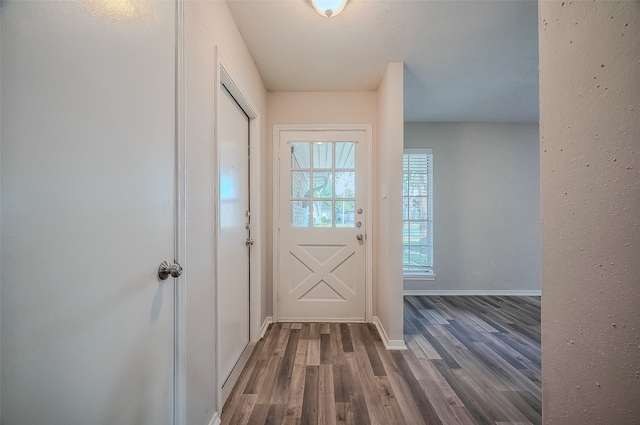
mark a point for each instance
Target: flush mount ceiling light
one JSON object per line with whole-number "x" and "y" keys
{"x": 329, "y": 8}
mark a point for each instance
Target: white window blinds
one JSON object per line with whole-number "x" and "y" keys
{"x": 418, "y": 211}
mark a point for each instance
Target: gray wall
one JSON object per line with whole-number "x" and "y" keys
{"x": 486, "y": 205}
{"x": 590, "y": 180}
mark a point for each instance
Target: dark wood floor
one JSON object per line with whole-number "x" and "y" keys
{"x": 471, "y": 360}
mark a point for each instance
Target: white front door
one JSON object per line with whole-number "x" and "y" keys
{"x": 88, "y": 211}
{"x": 322, "y": 226}
{"x": 233, "y": 257}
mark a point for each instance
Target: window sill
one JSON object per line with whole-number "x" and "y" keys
{"x": 416, "y": 276}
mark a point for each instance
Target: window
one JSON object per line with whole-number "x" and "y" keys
{"x": 323, "y": 184}
{"x": 417, "y": 198}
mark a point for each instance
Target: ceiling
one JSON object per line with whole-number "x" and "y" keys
{"x": 465, "y": 61}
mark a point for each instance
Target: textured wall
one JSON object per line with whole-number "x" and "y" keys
{"x": 486, "y": 186}
{"x": 590, "y": 182}
{"x": 209, "y": 24}
{"x": 388, "y": 237}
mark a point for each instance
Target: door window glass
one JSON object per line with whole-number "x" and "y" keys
{"x": 300, "y": 155}
{"x": 322, "y": 155}
{"x": 323, "y": 184}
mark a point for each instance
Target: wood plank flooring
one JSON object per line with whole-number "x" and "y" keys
{"x": 471, "y": 361}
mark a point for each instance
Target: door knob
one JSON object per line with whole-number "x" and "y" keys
{"x": 249, "y": 241}
{"x": 359, "y": 237}
{"x": 165, "y": 270}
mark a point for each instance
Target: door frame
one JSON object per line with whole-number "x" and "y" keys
{"x": 369, "y": 234}
{"x": 180, "y": 226}
{"x": 224, "y": 75}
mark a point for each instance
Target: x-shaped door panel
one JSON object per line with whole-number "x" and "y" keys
{"x": 328, "y": 278}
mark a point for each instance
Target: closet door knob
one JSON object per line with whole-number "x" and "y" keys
{"x": 166, "y": 269}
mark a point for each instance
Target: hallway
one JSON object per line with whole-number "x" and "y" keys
{"x": 471, "y": 360}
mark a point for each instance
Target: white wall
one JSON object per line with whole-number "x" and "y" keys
{"x": 388, "y": 193}
{"x": 209, "y": 24}
{"x": 486, "y": 187}
{"x": 590, "y": 180}
{"x": 314, "y": 108}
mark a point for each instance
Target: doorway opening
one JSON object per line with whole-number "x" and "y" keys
{"x": 237, "y": 226}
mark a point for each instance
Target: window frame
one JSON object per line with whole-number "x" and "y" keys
{"x": 428, "y": 272}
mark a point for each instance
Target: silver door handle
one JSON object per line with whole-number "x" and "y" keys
{"x": 249, "y": 241}
{"x": 165, "y": 270}
{"x": 359, "y": 237}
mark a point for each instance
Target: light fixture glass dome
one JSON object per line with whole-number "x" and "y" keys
{"x": 329, "y": 8}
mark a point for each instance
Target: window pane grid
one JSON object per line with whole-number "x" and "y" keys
{"x": 322, "y": 181}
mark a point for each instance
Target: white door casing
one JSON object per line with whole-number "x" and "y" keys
{"x": 227, "y": 80}
{"x": 234, "y": 221}
{"x": 322, "y": 253}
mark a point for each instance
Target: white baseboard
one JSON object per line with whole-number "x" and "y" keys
{"x": 321, "y": 320}
{"x": 496, "y": 292}
{"x": 265, "y": 325}
{"x": 389, "y": 344}
{"x": 228, "y": 385}
{"x": 215, "y": 420}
